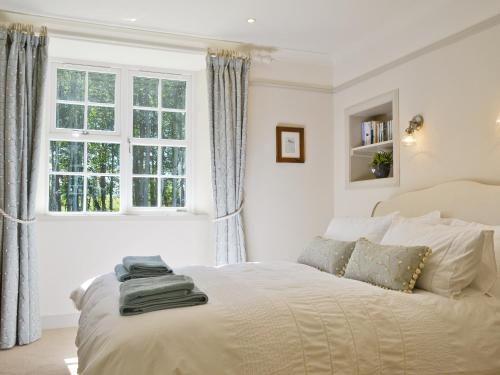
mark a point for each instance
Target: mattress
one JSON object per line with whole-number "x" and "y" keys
{"x": 288, "y": 318}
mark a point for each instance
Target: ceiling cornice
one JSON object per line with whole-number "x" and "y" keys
{"x": 453, "y": 38}
{"x": 292, "y": 85}
{"x": 149, "y": 38}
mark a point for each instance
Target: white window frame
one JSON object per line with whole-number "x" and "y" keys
{"x": 159, "y": 142}
{"x": 122, "y": 134}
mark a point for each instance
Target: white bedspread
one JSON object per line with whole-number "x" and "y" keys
{"x": 286, "y": 318}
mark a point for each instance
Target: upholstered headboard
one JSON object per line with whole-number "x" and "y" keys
{"x": 467, "y": 200}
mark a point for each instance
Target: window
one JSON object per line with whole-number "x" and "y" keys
{"x": 159, "y": 142}
{"x": 118, "y": 140}
{"x": 84, "y": 176}
{"x": 85, "y": 100}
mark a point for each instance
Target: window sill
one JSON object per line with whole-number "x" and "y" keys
{"x": 165, "y": 216}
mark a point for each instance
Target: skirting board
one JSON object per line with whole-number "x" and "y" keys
{"x": 60, "y": 321}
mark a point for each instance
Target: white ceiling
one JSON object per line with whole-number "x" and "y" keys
{"x": 339, "y": 29}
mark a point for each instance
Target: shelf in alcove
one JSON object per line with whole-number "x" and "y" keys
{"x": 369, "y": 150}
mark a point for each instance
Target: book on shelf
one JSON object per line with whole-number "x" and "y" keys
{"x": 375, "y": 132}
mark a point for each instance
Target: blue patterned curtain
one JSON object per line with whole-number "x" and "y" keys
{"x": 23, "y": 65}
{"x": 228, "y": 103}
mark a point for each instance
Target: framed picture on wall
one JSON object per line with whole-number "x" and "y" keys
{"x": 289, "y": 144}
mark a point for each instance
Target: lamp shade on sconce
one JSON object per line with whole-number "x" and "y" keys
{"x": 414, "y": 125}
{"x": 409, "y": 140}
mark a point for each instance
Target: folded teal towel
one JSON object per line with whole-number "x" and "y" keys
{"x": 146, "y": 265}
{"x": 134, "y": 267}
{"x": 121, "y": 273}
{"x": 138, "y": 296}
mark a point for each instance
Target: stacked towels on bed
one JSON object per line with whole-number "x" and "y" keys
{"x": 134, "y": 267}
{"x": 157, "y": 293}
{"x": 149, "y": 284}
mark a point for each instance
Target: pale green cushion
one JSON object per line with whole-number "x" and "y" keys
{"x": 327, "y": 255}
{"x": 388, "y": 266}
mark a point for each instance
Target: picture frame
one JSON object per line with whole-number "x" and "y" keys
{"x": 290, "y": 147}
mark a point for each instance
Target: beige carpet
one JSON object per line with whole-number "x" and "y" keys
{"x": 53, "y": 354}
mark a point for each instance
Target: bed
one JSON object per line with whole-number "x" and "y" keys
{"x": 288, "y": 318}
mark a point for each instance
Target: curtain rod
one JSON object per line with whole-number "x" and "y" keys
{"x": 233, "y": 53}
{"x": 27, "y": 28}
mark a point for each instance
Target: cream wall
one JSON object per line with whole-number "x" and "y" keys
{"x": 286, "y": 204}
{"x": 457, "y": 90}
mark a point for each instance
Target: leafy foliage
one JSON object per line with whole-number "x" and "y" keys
{"x": 173, "y": 94}
{"x": 146, "y": 92}
{"x": 100, "y": 118}
{"x": 71, "y": 174}
{"x": 66, "y": 156}
{"x": 69, "y": 116}
{"x": 173, "y": 192}
{"x": 381, "y": 157}
{"x": 145, "y": 124}
{"x": 66, "y": 192}
{"x": 173, "y": 125}
{"x": 101, "y": 87}
{"x": 144, "y": 191}
{"x": 173, "y": 161}
{"x": 70, "y": 85}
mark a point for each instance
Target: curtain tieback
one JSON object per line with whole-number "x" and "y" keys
{"x": 16, "y": 220}
{"x": 228, "y": 216}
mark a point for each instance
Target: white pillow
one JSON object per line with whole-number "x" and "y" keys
{"x": 371, "y": 228}
{"x": 456, "y": 253}
{"x": 353, "y": 228}
{"x": 488, "y": 268}
{"x": 433, "y": 216}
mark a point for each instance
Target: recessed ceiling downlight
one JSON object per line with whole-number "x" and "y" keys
{"x": 251, "y": 20}
{"x": 130, "y": 19}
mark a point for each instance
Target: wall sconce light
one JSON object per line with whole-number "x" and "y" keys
{"x": 415, "y": 123}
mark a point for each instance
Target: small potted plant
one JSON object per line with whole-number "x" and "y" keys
{"x": 381, "y": 164}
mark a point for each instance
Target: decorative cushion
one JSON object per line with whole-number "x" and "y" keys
{"x": 391, "y": 267}
{"x": 327, "y": 255}
{"x": 457, "y": 252}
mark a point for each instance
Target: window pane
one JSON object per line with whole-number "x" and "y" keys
{"x": 101, "y": 118}
{"x": 101, "y": 87}
{"x": 173, "y": 192}
{"x": 69, "y": 116}
{"x": 173, "y": 94}
{"x": 103, "y": 157}
{"x": 144, "y": 192}
{"x": 145, "y": 92}
{"x": 145, "y": 124}
{"x": 145, "y": 159}
{"x": 173, "y": 125}
{"x": 70, "y": 85}
{"x": 173, "y": 161}
{"x": 103, "y": 194}
{"x": 65, "y": 193}
{"x": 66, "y": 156}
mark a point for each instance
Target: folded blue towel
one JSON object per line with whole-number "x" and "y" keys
{"x": 145, "y": 264}
{"x": 133, "y": 267}
{"x": 138, "y": 296}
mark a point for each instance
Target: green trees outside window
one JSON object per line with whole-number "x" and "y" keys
{"x": 85, "y": 172}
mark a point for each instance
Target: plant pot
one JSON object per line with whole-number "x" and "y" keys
{"x": 381, "y": 170}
